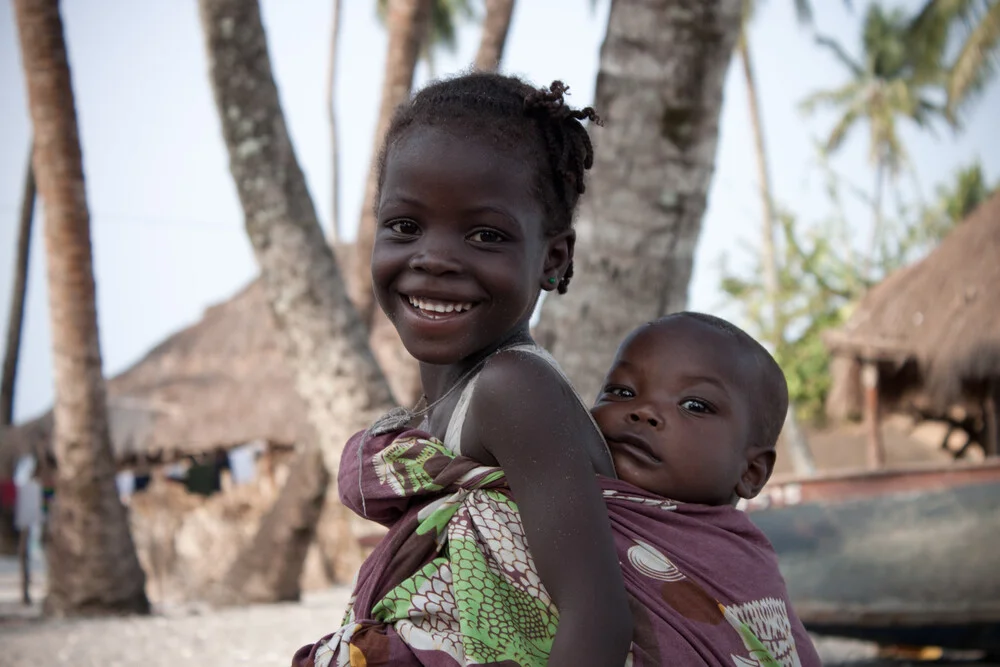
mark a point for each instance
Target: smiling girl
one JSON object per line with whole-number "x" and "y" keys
{"x": 479, "y": 179}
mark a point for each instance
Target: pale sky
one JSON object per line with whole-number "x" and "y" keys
{"x": 167, "y": 227}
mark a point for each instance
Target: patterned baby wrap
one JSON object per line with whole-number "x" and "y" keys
{"x": 453, "y": 582}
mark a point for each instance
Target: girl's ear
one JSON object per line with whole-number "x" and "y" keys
{"x": 558, "y": 255}
{"x": 760, "y": 465}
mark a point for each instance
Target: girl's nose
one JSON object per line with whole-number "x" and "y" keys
{"x": 434, "y": 261}
{"x": 645, "y": 414}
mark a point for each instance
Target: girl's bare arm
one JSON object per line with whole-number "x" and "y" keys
{"x": 533, "y": 425}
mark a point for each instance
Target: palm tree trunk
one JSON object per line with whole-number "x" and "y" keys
{"x": 322, "y": 335}
{"x": 794, "y": 436}
{"x": 876, "y": 220}
{"x": 93, "y": 566}
{"x": 767, "y": 254}
{"x": 496, "y": 24}
{"x": 407, "y": 24}
{"x": 639, "y": 224}
{"x": 15, "y": 320}
{"x": 331, "y": 111}
{"x": 269, "y": 569}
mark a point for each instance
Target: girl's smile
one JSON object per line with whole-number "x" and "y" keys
{"x": 437, "y": 309}
{"x": 434, "y": 317}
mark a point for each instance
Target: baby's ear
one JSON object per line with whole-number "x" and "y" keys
{"x": 760, "y": 465}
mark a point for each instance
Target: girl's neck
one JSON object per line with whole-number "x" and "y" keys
{"x": 439, "y": 379}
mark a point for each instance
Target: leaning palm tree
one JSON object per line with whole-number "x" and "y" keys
{"x": 775, "y": 327}
{"x": 9, "y": 538}
{"x": 15, "y": 318}
{"x": 93, "y": 566}
{"x": 323, "y": 338}
{"x": 496, "y": 24}
{"x": 412, "y": 25}
{"x": 958, "y": 42}
{"x": 885, "y": 86}
{"x": 405, "y": 21}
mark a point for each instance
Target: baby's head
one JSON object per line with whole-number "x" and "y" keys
{"x": 692, "y": 408}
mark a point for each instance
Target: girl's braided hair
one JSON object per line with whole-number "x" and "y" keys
{"x": 535, "y": 123}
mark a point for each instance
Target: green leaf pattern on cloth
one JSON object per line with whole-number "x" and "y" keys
{"x": 475, "y": 608}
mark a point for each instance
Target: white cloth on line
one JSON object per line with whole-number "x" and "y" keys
{"x": 24, "y": 469}
{"x": 125, "y": 481}
{"x": 243, "y": 463}
{"x": 28, "y": 505}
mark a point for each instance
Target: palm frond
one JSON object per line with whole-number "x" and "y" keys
{"x": 840, "y": 53}
{"x": 928, "y": 33}
{"x": 884, "y": 42}
{"x": 976, "y": 60}
{"x": 442, "y": 28}
{"x": 893, "y": 151}
{"x": 803, "y": 12}
{"x": 840, "y": 130}
{"x": 829, "y": 98}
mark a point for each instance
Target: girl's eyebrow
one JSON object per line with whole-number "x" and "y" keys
{"x": 400, "y": 199}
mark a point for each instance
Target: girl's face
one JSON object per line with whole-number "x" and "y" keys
{"x": 460, "y": 251}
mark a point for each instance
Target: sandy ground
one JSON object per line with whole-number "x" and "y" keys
{"x": 193, "y": 636}
{"x": 179, "y": 637}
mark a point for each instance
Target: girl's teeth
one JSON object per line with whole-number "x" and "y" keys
{"x": 439, "y": 307}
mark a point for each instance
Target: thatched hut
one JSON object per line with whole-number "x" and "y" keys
{"x": 926, "y": 341}
{"x": 202, "y": 392}
{"x": 215, "y": 385}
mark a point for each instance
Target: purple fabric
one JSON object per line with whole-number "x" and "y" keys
{"x": 703, "y": 581}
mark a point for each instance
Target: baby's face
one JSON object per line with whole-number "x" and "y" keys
{"x": 675, "y": 412}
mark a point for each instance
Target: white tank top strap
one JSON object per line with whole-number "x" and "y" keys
{"x": 453, "y": 436}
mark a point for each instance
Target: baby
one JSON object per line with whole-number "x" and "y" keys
{"x": 691, "y": 410}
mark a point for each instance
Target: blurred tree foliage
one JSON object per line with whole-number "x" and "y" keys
{"x": 956, "y": 43}
{"x": 820, "y": 278}
{"x": 914, "y": 63}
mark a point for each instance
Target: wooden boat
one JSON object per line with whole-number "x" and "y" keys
{"x": 905, "y": 556}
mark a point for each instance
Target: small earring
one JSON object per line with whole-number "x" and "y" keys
{"x": 552, "y": 281}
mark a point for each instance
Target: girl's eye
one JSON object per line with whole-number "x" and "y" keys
{"x": 404, "y": 227}
{"x": 696, "y": 405}
{"x": 619, "y": 392}
{"x": 486, "y": 236}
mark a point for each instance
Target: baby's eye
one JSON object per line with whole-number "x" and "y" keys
{"x": 619, "y": 392}
{"x": 404, "y": 227}
{"x": 696, "y": 405}
{"x": 486, "y": 236}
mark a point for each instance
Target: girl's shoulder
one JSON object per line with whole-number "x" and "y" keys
{"x": 523, "y": 396}
{"x": 523, "y": 371}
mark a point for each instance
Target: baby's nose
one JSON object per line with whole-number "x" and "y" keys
{"x": 647, "y": 415}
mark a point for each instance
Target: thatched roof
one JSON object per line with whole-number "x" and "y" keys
{"x": 941, "y": 313}
{"x": 218, "y": 383}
